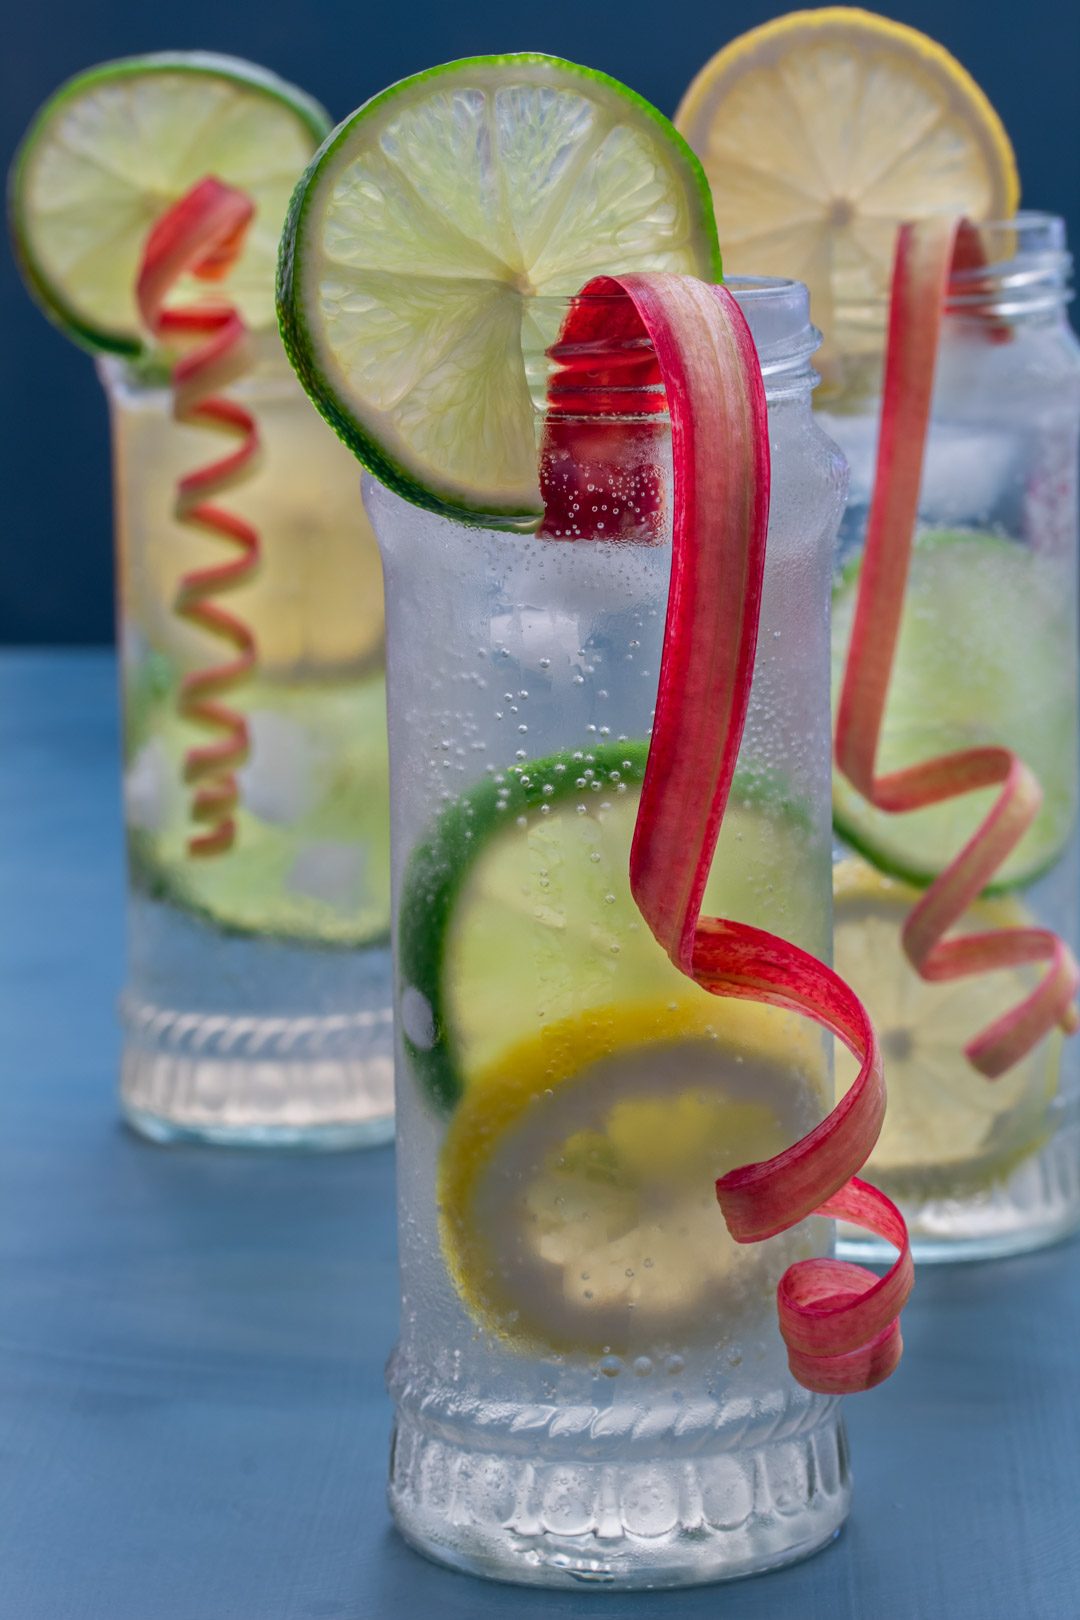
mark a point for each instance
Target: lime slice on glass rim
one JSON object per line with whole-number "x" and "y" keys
{"x": 516, "y": 911}
{"x": 983, "y": 658}
{"x": 114, "y": 148}
{"x": 575, "y": 1186}
{"x": 421, "y": 235}
{"x": 946, "y": 1127}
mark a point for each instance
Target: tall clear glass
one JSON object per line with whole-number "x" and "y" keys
{"x": 590, "y": 1385}
{"x": 257, "y": 1004}
{"x": 988, "y": 654}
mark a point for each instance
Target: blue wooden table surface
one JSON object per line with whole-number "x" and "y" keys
{"x": 192, "y": 1417}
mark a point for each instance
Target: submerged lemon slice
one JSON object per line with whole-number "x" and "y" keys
{"x": 822, "y": 130}
{"x": 576, "y": 1200}
{"x": 315, "y": 603}
{"x": 947, "y": 1129}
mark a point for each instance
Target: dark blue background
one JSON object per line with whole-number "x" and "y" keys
{"x": 55, "y": 565}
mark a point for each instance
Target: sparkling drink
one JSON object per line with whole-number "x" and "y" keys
{"x": 589, "y": 1383}
{"x": 257, "y": 1003}
{"x": 987, "y": 655}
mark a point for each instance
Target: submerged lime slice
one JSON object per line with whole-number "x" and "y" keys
{"x": 986, "y": 655}
{"x": 311, "y": 861}
{"x": 420, "y": 236}
{"x": 115, "y": 147}
{"x": 517, "y": 913}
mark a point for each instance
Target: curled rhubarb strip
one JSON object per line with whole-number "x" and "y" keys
{"x": 927, "y": 253}
{"x": 202, "y": 235}
{"x": 839, "y": 1321}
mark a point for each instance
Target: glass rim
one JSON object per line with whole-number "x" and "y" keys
{"x": 1027, "y": 269}
{"x": 776, "y": 308}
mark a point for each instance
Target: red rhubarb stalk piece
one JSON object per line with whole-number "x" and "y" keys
{"x": 202, "y": 235}
{"x": 927, "y": 253}
{"x": 839, "y": 1321}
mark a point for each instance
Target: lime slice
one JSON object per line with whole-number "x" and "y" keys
{"x": 820, "y": 131}
{"x": 576, "y": 1178}
{"x": 116, "y": 147}
{"x": 947, "y": 1129}
{"x": 986, "y": 655}
{"x": 422, "y": 232}
{"x": 517, "y": 912}
{"x": 311, "y": 861}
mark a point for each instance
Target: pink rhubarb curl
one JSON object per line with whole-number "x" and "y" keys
{"x": 927, "y": 253}
{"x": 202, "y": 235}
{"x": 839, "y": 1321}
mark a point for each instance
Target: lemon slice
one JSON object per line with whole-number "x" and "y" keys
{"x": 947, "y": 1129}
{"x": 315, "y": 603}
{"x": 821, "y": 131}
{"x": 985, "y": 655}
{"x": 424, "y": 231}
{"x": 576, "y": 1192}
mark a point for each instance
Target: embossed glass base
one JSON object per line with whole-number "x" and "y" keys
{"x": 499, "y": 1502}
{"x": 317, "y": 1083}
{"x": 254, "y": 1042}
{"x": 1037, "y": 1205}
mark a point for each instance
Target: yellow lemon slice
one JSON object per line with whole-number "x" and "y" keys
{"x": 947, "y": 1129}
{"x": 576, "y": 1199}
{"x": 821, "y": 131}
{"x": 315, "y": 601}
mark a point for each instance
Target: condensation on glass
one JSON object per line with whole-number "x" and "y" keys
{"x": 590, "y": 1386}
{"x": 257, "y": 1001}
{"x": 988, "y": 655}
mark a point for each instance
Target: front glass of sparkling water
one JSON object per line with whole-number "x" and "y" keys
{"x": 590, "y": 1384}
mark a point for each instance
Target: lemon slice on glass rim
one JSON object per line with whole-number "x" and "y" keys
{"x": 577, "y": 1210}
{"x": 820, "y": 132}
{"x": 947, "y": 1128}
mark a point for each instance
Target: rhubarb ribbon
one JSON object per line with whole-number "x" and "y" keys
{"x": 202, "y": 235}
{"x": 839, "y": 1321}
{"x": 927, "y": 253}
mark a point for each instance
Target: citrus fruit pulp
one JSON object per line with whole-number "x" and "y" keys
{"x": 577, "y": 1211}
{"x": 984, "y": 656}
{"x": 311, "y": 861}
{"x": 426, "y": 235}
{"x": 516, "y": 911}
{"x": 821, "y": 131}
{"x": 946, "y": 1126}
{"x": 315, "y": 603}
{"x": 112, "y": 150}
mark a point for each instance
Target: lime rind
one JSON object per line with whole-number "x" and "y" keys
{"x": 886, "y": 843}
{"x": 440, "y": 867}
{"x": 477, "y": 264}
{"x": 337, "y": 835}
{"x": 312, "y": 118}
